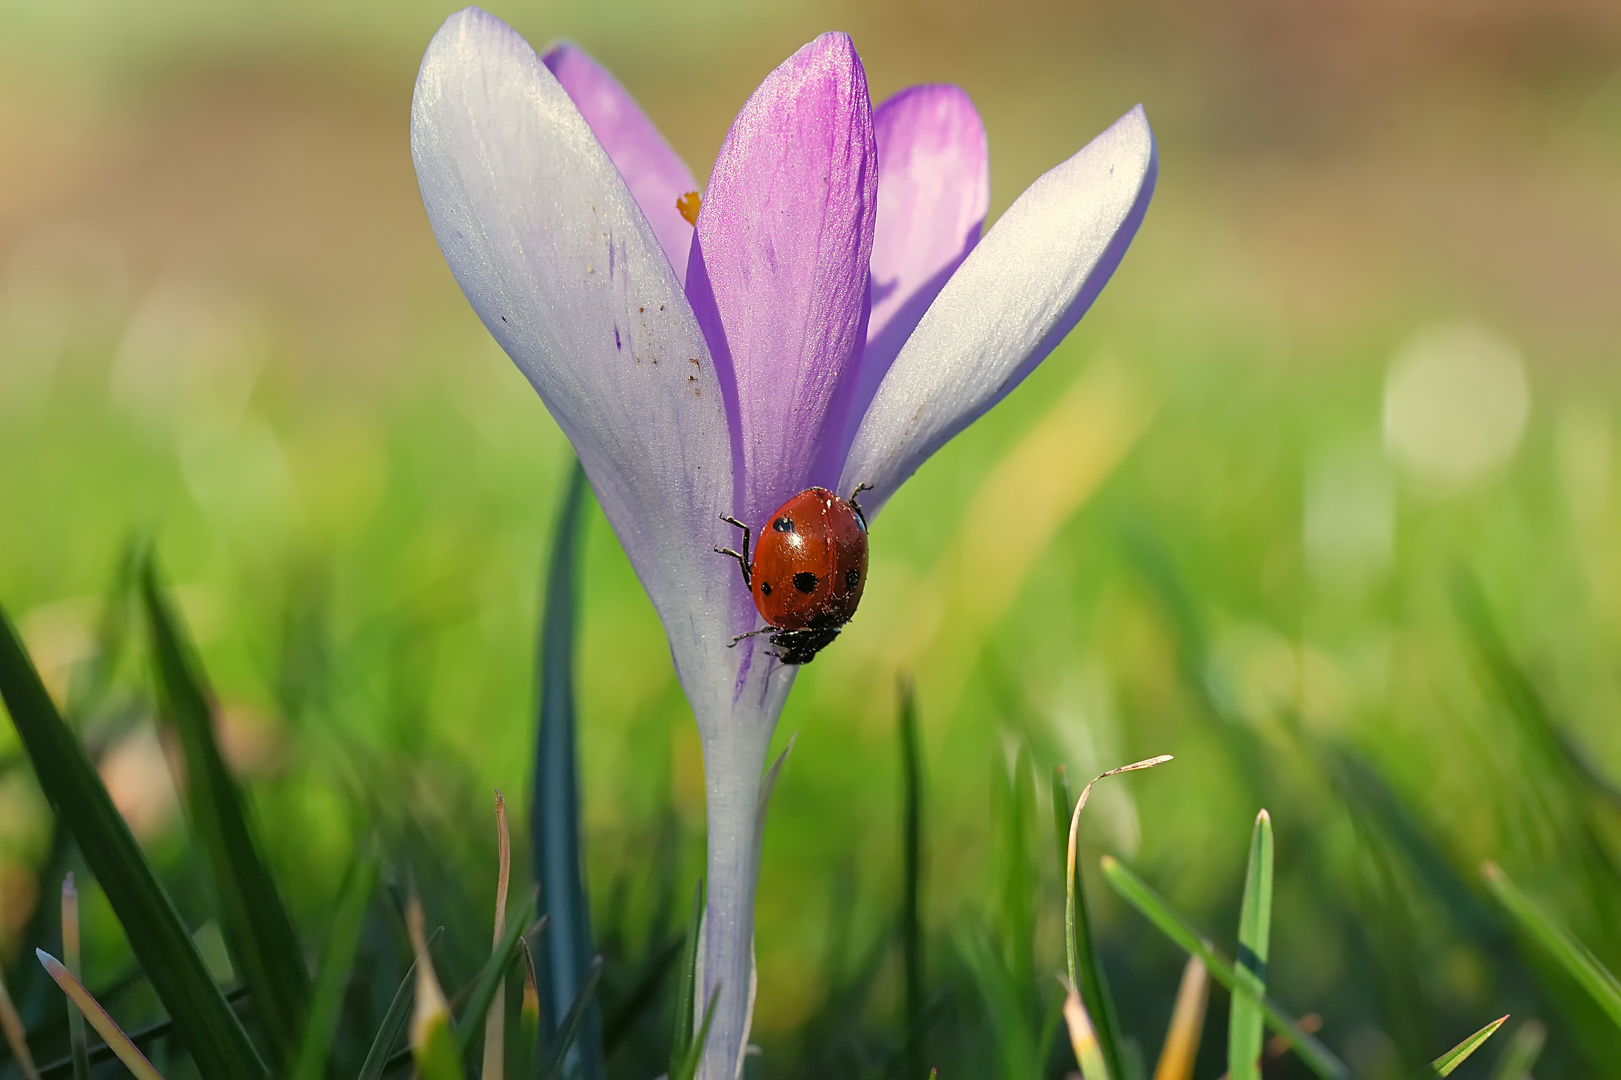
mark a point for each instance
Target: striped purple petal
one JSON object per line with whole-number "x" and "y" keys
{"x": 778, "y": 275}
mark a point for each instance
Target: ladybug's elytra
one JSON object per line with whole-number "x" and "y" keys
{"x": 808, "y": 570}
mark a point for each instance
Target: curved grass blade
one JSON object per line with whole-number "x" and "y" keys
{"x": 1245, "y": 1022}
{"x": 336, "y": 963}
{"x": 1572, "y": 955}
{"x": 492, "y": 976}
{"x": 1153, "y": 907}
{"x": 687, "y": 1067}
{"x": 567, "y": 952}
{"x": 686, "y": 993}
{"x": 132, "y": 1058}
{"x": 394, "y": 1021}
{"x": 202, "y": 1017}
{"x": 574, "y": 1020}
{"x": 1083, "y": 964}
{"x": 256, "y": 925}
{"x": 495, "y": 1028}
{"x": 1181, "y": 1047}
{"x": 1524, "y": 1047}
{"x": 78, "y": 1045}
{"x": 1443, "y": 1065}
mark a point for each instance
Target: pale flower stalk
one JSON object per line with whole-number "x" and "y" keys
{"x": 833, "y": 319}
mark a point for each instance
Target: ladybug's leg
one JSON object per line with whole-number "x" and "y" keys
{"x": 742, "y": 557}
{"x": 852, "y": 500}
{"x": 751, "y": 633}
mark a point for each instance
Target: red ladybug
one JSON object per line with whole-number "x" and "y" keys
{"x": 808, "y": 571}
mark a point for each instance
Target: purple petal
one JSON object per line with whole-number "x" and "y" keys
{"x": 778, "y": 274}
{"x": 562, "y": 267}
{"x": 655, "y": 174}
{"x": 1013, "y": 299}
{"x": 934, "y": 187}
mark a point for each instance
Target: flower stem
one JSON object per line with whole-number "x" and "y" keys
{"x": 733, "y": 762}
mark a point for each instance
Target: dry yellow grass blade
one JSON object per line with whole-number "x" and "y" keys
{"x": 1083, "y": 1038}
{"x": 16, "y": 1037}
{"x": 495, "y": 1033}
{"x": 431, "y": 1042}
{"x": 111, "y": 1033}
{"x": 1187, "y": 1023}
{"x": 1080, "y": 804}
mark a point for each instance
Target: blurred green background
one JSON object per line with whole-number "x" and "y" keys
{"x": 1363, "y": 350}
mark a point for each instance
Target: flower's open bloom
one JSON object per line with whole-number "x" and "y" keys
{"x": 833, "y": 319}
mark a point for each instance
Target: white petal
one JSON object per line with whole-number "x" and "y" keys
{"x": 564, "y": 270}
{"x": 1013, "y": 299}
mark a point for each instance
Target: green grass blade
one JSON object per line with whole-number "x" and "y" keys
{"x": 394, "y": 1022}
{"x": 1085, "y": 967}
{"x": 392, "y": 1027}
{"x": 686, "y": 992}
{"x": 133, "y": 1059}
{"x": 1572, "y": 955}
{"x": 78, "y": 1045}
{"x": 912, "y": 878}
{"x": 202, "y": 1017}
{"x": 336, "y": 962}
{"x": 687, "y": 1067}
{"x": 1526, "y": 702}
{"x": 1018, "y": 1048}
{"x": 1443, "y": 1065}
{"x": 1245, "y": 1022}
{"x": 570, "y": 1029}
{"x": 493, "y": 974}
{"x": 568, "y": 950}
{"x": 256, "y": 925}
{"x": 1153, "y": 907}
{"x": 1524, "y": 1047}
{"x": 642, "y": 993}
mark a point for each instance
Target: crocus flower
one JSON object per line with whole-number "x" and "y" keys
{"x": 832, "y": 319}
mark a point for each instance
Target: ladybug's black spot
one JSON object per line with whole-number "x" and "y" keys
{"x": 783, "y": 524}
{"x": 805, "y": 581}
{"x": 852, "y": 579}
{"x": 765, "y": 588}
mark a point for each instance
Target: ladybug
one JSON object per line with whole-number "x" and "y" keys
{"x": 807, "y": 572}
